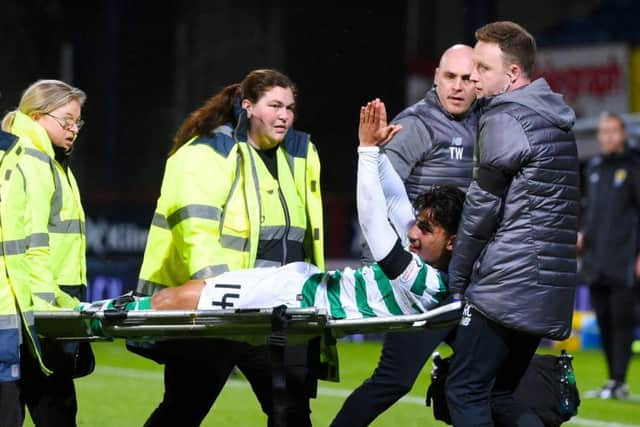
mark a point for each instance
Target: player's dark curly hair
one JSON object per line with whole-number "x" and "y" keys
{"x": 445, "y": 203}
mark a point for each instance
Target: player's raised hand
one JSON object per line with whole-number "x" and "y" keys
{"x": 373, "y": 129}
{"x": 385, "y": 132}
{"x": 367, "y": 126}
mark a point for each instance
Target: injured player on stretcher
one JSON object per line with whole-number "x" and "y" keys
{"x": 408, "y": 278}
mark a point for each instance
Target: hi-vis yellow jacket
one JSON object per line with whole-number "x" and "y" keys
{"x": 218, "y": 201}
{"x": 16, "y": 306}
{"x": 56, "y": 251}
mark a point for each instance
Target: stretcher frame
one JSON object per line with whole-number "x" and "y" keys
{"x": 256, "y": 326}
{"x": 304, "y": 323}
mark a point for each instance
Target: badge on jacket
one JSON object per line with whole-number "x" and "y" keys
{"x": 619, "y": 176}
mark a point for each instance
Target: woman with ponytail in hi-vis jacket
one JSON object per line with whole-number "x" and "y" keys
{"x": 241, "y": 189}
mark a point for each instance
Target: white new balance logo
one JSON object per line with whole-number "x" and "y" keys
{"x": 456, "y": 149}
{"x": 466, "y": 315}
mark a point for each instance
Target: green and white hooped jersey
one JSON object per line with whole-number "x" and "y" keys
{"x": 348, "y": 293}
{"x": 368, "y": 292}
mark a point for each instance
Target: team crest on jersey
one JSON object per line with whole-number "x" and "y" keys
{"x": 619, "y": 177}
{"x": 456, "y": 149}
{"x": 411, "y": 271}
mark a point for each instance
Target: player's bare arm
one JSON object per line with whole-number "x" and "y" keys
{"x": 184, "y": 297}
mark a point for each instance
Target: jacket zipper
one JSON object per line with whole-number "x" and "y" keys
{"x": 287, "y": 225}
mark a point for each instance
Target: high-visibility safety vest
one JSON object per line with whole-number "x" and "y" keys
{"x": 218, "y": 201}
{"x": 16, "y": 305}
{"x": 57, "y": 245}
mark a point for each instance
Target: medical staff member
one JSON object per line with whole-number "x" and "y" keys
{"x": 19, "y": 349}
{"x": 241, "y": 189}
{"x": 48, "y": 120}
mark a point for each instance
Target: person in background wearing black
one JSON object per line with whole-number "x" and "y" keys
{"x": 610, "y": 244}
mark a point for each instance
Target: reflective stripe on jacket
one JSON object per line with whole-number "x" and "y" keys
{"x": 16, "y": 305}
{"x": 57, "y": 244}
{"x": 218, "y": 201}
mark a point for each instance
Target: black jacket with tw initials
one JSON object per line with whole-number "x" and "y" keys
{"x": 612, "y": 219}
{"x": 515, "y": 252}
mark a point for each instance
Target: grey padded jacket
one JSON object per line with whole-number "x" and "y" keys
{"x": 515, "y": 253}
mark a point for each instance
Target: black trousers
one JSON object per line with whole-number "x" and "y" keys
{"x": 488, "y": 362}
{"x": 51, "y": 400}
{"x": 11, "y": 408}
{"x": 403, "y": 356}
{"x": 194, "y": 378}
{"x": 614, "y": 307}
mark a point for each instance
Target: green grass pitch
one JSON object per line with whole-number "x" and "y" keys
{"x": 125, "y": 388}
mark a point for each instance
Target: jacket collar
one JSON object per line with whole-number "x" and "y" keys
{"x": 7, "y": 140}
{"x": 241, "y": 128}
{"x": 29, "y": 130}
{"x": 432, "y": 98}
{"x": 617, "y": 156}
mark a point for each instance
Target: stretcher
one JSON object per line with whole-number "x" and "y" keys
{"x": 246, "y": 324}
{"x": 276, "y": 327}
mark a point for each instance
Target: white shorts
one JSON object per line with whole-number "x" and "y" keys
{"x": 257, "y": 287}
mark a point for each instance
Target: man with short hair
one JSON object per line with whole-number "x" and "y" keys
{"x": 612, "y": 220}
{"x": 514, "y": 261}
{"x": 435, "y": 147}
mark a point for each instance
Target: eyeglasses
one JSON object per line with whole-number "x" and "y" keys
{"x": 67, "y": 123}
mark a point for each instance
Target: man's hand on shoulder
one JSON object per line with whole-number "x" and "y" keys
{"x": 373, "y": 129}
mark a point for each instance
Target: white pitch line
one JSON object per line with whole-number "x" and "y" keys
{"x": 141, "y": 374}
{"x": 597, "y": 423}
{"x": 328, "y": 391}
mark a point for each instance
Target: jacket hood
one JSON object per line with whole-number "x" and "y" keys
{"x": 539, "y": 97}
